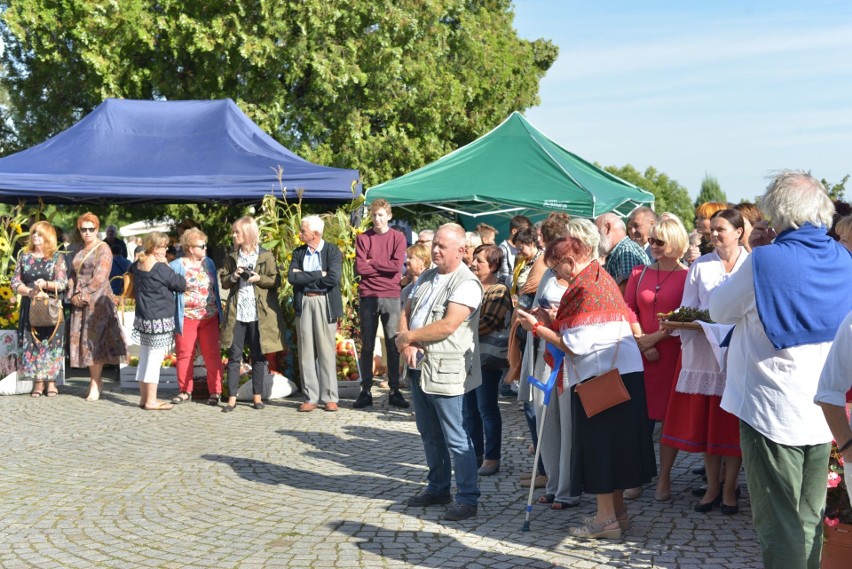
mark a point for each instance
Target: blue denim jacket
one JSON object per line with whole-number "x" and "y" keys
{"x": 214, "y": 282}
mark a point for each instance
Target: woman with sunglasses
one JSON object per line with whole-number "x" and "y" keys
{"x": 198, "y": 312}
{"x": 651, "y": 290}
{"x": 95, "y": 335}
{"x": 40, "y": 272}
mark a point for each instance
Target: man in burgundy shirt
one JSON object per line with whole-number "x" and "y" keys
{"x": 379, "y": 255}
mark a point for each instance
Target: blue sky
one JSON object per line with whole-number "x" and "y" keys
{"x": 734, "y": 89}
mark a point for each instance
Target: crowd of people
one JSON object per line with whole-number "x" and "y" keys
{"x": 462, "y": 316}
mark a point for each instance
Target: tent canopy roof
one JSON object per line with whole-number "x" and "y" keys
{"x": 166, "y": 151}
{"x": 512, "y": 170}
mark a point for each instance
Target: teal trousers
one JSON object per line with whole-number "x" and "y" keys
{"x": 787, "y": 489}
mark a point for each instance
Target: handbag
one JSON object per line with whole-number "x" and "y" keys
{"x": 603, "y": 391}
{"x": 45, "y": 311}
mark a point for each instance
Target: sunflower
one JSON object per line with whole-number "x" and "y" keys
{"x": 6, "y": 292}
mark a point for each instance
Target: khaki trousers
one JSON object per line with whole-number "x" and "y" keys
{"x": 317, "y": 351}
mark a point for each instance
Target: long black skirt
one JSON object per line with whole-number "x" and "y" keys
{"x": 614, "y": 449}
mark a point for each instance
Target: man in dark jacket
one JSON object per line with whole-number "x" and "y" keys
{"x": 315, "y": 271}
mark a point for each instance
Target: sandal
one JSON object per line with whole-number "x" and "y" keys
{"x": 35, "y": 394}
{"x": 181, "y": 398}
{"x": 622, "y": 519}
{"x": 591, "y": 530}
{"x": 52, "y": 393}
{"x": 547, "y": 499}
{"x": 557, "y": 505}
{"x": 213, "y": 400}
{"x": 162, "y": 406}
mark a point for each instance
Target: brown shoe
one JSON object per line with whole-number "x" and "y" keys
{"x": 540, "y": 482}
{"x": 307, "y": 407}
{"x": 331, "y": 406}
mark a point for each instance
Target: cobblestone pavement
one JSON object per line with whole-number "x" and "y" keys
{"x": 105, "y": 484}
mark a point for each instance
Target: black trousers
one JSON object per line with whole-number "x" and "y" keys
{"x": 246, "y": 332}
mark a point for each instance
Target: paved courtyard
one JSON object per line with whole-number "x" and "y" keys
{"x": 105, "y": 484}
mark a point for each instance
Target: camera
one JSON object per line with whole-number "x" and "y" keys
{"x": 246, "y": 274}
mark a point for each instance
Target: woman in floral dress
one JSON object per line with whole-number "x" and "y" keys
{"x": 40, "y": 271}
{"x": 96, "y": 337}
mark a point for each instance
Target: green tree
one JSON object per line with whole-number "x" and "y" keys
{"x": 668, "y": 194}
{"x": 710, "y": 191}
{"x": 380, "y": 85}
{"x": 836, "y": 191}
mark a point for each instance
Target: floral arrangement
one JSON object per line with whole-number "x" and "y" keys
{"x": 8, "y": 308}
{"x": 12, "y": 236}
{"x": 837, "y": 507}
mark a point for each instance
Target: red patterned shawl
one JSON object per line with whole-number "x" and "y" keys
{"x": 591, "y": 298}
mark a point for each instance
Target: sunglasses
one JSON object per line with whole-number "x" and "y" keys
{"x": 657, "y": 242}
{"x": 88, "y": 229}
{"x": 202, "y": 246}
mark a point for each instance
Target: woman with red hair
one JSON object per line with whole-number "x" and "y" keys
{"x": 95, "y": 335}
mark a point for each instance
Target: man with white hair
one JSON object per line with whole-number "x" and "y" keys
{"x": 622, "y": 253}
{"x": 314, "y": 272}
{"x": 787, "y": 301}
{"x": 439, "y": 343}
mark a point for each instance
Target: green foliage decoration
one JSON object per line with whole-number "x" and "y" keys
{"x": 279, "y": 221}
{"x": 13, "y": 235}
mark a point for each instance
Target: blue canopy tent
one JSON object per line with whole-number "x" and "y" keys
{"x": 168, "y": 152}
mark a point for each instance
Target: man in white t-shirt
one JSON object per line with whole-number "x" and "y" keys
{"x": 439, "y": 345}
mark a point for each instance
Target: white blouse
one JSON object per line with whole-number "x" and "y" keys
{"x": 700, "y": 370}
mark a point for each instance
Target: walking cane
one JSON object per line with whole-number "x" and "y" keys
{"x": 547, "y": 388}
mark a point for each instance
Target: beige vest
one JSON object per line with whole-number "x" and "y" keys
{"x": 451, "y": 365}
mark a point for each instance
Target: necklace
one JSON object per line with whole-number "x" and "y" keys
{"x": 660, "y": 284}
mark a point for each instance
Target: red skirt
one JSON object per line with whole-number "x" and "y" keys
{"x": 697, "y": 423}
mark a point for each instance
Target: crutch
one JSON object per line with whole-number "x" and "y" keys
{"x": 547, "y": 388}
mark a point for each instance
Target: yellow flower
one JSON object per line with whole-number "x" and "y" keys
{"x": 4, "y": 323}
{"x": 6, "y": 293}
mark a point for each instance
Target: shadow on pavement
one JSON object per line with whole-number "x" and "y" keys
{"x": 409, "y": 547}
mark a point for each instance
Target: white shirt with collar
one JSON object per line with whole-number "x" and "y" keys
{"x": 313, "y": 260}
{"x": 771, "y": 390}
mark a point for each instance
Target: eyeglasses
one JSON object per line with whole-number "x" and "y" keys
{"x": 657, "y": 242}
{"x": 88, "y": 229}
{"x": 201, "y": 246}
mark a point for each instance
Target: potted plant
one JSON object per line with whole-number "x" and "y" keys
{"x": 837, "y": 538}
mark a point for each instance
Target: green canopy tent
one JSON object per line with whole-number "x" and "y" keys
{"x": 512, "y": 170}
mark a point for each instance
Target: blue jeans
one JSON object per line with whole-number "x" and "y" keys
{"x": 482, "y": 415}
{"x": 440, "y": 423}
{"x": 370, "y": 310}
